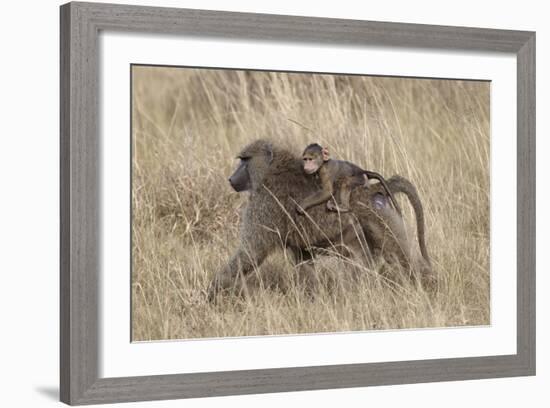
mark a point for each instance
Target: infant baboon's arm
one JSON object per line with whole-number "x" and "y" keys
{"x": 321, "y": 196}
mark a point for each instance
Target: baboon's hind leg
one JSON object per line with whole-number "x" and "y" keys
{"x": 306, "y": 273}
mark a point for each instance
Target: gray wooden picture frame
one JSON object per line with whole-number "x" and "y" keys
{"x": 80, "y": 237}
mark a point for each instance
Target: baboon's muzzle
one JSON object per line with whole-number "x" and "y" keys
{"x": 240, "y": 180}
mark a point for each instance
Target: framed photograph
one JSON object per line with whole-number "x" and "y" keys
{"x": 261, "y": 203}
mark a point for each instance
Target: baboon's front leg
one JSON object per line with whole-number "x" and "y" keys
{"x": 231, "y": 276}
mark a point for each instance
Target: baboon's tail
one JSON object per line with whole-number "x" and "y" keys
{"x": 399, "y": 184}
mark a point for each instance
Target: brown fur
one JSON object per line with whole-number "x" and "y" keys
{"x": 330, "y": 171}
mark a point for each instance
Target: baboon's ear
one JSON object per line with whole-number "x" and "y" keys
{"x": 326, "y": 154}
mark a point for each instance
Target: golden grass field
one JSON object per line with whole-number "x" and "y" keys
{"x": 188, "y": 126}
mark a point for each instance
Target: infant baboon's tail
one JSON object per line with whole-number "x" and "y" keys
{"x": 399, "y": 184}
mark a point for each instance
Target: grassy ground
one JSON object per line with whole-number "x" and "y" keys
{"x": 188, "y": 125}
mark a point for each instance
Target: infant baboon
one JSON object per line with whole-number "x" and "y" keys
{"x": 316, "y": 160}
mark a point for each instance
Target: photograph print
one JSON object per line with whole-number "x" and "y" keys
{"x": 286, "y": 203}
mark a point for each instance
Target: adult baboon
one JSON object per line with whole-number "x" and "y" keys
{"x": 276, "y": 182}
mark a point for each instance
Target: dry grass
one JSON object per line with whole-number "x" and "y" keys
{"x": 188, "y": 125}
